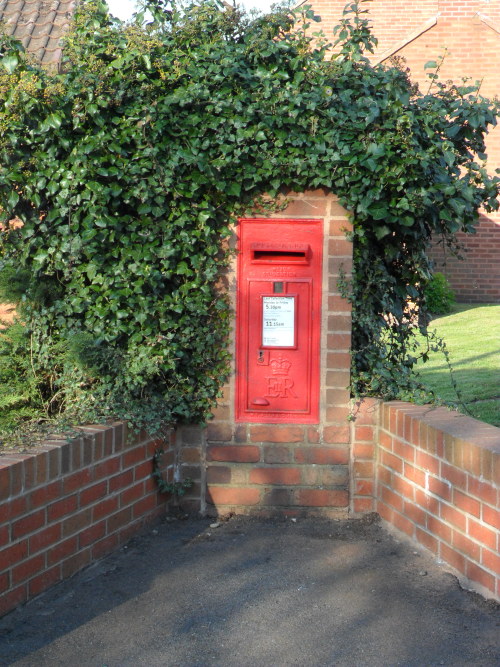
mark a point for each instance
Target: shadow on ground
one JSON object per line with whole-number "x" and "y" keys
{"x": 251, "y": 592}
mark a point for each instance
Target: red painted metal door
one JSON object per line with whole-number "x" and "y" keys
{"x": 278, "y": 320}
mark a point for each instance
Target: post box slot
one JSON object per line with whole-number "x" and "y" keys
{"x": 280, "y": 256}
{"x": 271, "y": 254}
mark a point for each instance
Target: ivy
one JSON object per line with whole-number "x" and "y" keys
{"x": 128, "y": 167}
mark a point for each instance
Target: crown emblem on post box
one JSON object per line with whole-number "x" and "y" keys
{"x": 280, "y": 366}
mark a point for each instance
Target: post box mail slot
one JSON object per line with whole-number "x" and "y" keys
{"x": 278, "y": 320}
{"x": 272, "y": 254}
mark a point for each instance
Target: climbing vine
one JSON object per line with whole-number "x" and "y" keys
{"x": 127, "y": 167}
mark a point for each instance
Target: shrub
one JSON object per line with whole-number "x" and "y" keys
{"x": 438, "y": 295}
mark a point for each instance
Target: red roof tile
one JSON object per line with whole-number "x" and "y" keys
{"x": 38, "y": 24}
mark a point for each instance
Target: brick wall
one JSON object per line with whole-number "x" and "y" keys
{"x": 476, "y": 278}
{"x": 438, "y": 481}
{"x": 288, "y": 468}
{"x": 423, "y": 31}
{"x": 66, "y": 504}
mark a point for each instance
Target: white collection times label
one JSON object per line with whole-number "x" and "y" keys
{"x": 278, "y": 321}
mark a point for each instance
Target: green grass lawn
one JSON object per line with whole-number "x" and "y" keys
{"x": 472, "y": 337}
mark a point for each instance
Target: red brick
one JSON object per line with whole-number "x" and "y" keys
{"x": 404, "y": 450}
{"x": 322, "y": 498}
{"x": 62, "y": 550}
{"x": 106, "y": 507}
{"x": 415, "y": 513}
{"x": 414, "y": 474}
{"x": 427, "y": 462}
{"x": 75, "y": 563}
{"x": 145, "y": 506}
{"x": 466, "y": 503}
{"x": 119, "y": 520}
{"x": 458, "y": 478}
{"x": 236, "y": 496}
{"x": 218, "y": 475}
{"x": 237, "y": 454}
{"x": 27, "y": 569}
{"x": 13, "y": 599}
{"x": 483, "y": 534}
{"x": 322, "y": 455}
{"x": 363, "y": 505}
{"x": 363, "y": 433}
{"x": 133, "y": 456}
{"x": 62, "y": 507}
{"x": 274, "y": 476}
{"x": 482, "y": 490}
{"x": 453, "y": 558}
{"x": 427, "y": 540}
{"x": 363, "y": 451}
{"x": 107, "y": 468}
{"x": 45, "y": 494}
{"x": 44, "y": 538}
{"x": 121, "y": 480}
{"x": 4, "y": 481}
{"x": 76, "y": 522}
{"x": 278, "y": 497}
{"x": 339, "y": 341}
{"x": 11, "y": 509}
{"x": 385, "y": 511}
{"x": 403, "y": 487}
{"x": 143, "y": 471}
{"x": 270, "y": 433}
{"x": 91, "y": 534}
{"x": 28, "y": 524}
{"x": 313, "y": 435}
{"x": 385, "y": 440}
{"x": 363, "y": 487}
{"x": 439, "y": 488}
{"x": 337, "y": 414}
{"x": 403, "y": 524}
{"x": 13, "y": 554}
{"x": 93, "y": 493}
{"x": 105, "y": 546}
{"x": 219, "y": 432}
{"x": 453, "y": 516}
{"x": 438, "y": 528}
{"x": 476, "y": 573}
{"x": 132, "y": 494}
{"x": 76, "y": 481}
{"x": 491, "y": 560}
{"x": 4, "y": 582}
{"x": 362, "y": 469}
{"x": 391, "y": 461}
{"x": 491, "y": 516}
{"x": 336, "y": 435}
{"x": 392, "y": 499}
{"x": 465, "y": 545}
{"x": 44, "y": 580}
{"x": 277, "y": 454}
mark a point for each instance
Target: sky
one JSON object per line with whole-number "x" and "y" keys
{"x": 123, "y": 9}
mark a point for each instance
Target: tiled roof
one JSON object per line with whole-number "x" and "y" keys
{"x": 38, "y": 24}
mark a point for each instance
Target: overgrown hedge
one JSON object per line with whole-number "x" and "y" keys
{"x": 128, "y": 166}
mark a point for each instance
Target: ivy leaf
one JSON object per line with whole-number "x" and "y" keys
{"x": 10, "y": 62}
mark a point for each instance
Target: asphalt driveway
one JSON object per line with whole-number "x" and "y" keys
{"x": 257, "y": 593}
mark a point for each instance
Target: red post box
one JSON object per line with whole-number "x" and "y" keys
{"x": 278, "y": 320}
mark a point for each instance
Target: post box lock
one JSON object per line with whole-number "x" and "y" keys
{"x": 277, "y": 321}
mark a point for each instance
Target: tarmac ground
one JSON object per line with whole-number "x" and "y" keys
{"x": 250, "y": 592}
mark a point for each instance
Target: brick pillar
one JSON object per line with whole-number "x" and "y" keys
{"x": 290, "y": 469}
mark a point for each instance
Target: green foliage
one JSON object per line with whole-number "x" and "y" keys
{"x": 438, "y": 295}
{"x": 175, "y": 488}
{"x": 128, "y": 167}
